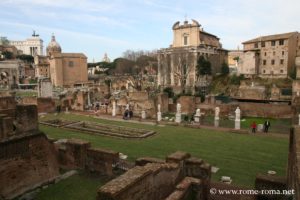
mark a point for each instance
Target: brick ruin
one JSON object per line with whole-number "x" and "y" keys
{"x": 29, "y": 160}
{"x": 293, "y": 171}
{"x": 179, "y": 177}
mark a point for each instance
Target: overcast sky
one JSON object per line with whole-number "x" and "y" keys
{"x": 113, "y": 26}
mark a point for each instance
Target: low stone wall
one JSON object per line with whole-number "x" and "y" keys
{"x": 25, "y": 161}
{"x": 293, "y": 172}
{"x": 250, "y": 109}
{"x": 155, "y": 179}
{"x": 46, "y": 105}
{"x": 78, "y": 154}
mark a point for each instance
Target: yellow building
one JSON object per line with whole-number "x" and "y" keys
{"x": 66, "y": 69}
{"x": 177, "y": 64}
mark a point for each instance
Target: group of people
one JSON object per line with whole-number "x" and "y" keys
{"x": 128, "y": 114}
{"x": 266, "y": 126}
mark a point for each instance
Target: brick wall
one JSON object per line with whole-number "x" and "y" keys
{"x": 293, "y": 172}
{"x": 155, "y": 179}
{"x": 25, "y": 161}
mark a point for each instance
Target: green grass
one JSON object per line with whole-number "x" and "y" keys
{"x": 277, "y": 125}
{"x": 79, "y": 186}
{"x": 237, "y": 155}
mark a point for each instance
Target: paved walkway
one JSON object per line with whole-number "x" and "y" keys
{"x": 152, "y": 122}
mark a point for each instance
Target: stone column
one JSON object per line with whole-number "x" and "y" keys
{"x": 158, "y": 70}
{"x": 158, "y": 113}
{"x": 217, "y": 118}
{"x": 172, "y": 69}
{"x": 143, "y": 113}
{"x": 178, "y": 114}
{"x": 89, "y": 99}
{"x": 299, "y": 120}
{"x": 237, "y": 119}
{"x": 197, "y": 116}
{"x": 113, "y": 112}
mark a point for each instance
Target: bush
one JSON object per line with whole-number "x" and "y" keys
{"x": 169, "y": 91}
{"x": 224, "y": 69}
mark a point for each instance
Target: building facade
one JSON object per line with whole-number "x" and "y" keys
{"x": 177, "y": 64}
{"x": 66, "y": 69}
{"x": 271, "y": 56}
{"x": 31, "y": 46}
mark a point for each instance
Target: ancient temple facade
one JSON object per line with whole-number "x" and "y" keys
{"x": 177, "y": 64}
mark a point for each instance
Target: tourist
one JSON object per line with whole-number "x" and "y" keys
{"x": 126, "y": 114}
{"x": 253, "y": 126}
{"x": 130, "y": 114}
{"x": 267, "y": 125}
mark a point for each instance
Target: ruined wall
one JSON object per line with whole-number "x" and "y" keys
{"x": 25, "y": 161}
{"x": 26, "y": 118}
{"x": 78, "y": 154}
{"x": 250, "y": 109}
{"x": 187, "y": 104}
{"x": 46, "y": 105}
{"x": 7, "y": 105}
{"x": 293, "y": 172}
{"x": 154, "y": 179}
{"x": 101, "y": 161}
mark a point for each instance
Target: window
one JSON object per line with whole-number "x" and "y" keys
{"x": 281, "y": 42}
{"x": 273, "y": 42}
{"x": 265, "y": 53}
{"x": 71, "y": 64}
{"x": 281, "y": 61}
{"x": 274, "y": 53}
{"x": 185, "y": 40}
{"x": 281, "y": 71}
{"x": 256, "y": 45}
{"x": 273, "y": 62}
{"x": 264, "y": 62}
{"x": 263, "y": 44}
{"x": 264, "y": 71}
{"x": 282, "y": 53}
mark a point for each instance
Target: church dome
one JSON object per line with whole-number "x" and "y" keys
{"x": 53, "y": 46}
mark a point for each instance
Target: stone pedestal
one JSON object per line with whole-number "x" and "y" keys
{"x": 113, "y": 112}
{"x": 178, "y": 118}
{"x": 237, "y": 124}
{"x": 217, "y": 122}
{"x": 67, "y": 110}
{"x": 197, "y": 119}
{"x": 143, "y": 114}
{"x": 158, "y": 116}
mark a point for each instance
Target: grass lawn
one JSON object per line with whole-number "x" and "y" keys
{"x": 237, "y": 155}
{"x": 79, "y": 186}
{"x": 277, "y": 125}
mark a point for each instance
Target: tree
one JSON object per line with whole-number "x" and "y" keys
{"x": 203, "y": 66}
{"x": 182, "y": 67}
{"x": 7, "y": 54}
{"x": 224, "y": 69}
{"x": 26, "y": 58}
{"x": 4, "y": 41}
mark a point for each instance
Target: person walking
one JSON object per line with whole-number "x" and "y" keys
{"x": 253, "y": 126}
{"x": 267, "y": 125}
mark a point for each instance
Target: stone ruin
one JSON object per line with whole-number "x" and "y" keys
{"x": 29, "y": 160}
{"x": 100, "y": 129}
{"x": 179, "y": 177}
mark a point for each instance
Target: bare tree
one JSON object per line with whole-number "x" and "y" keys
{"x": 183, "y": 64}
